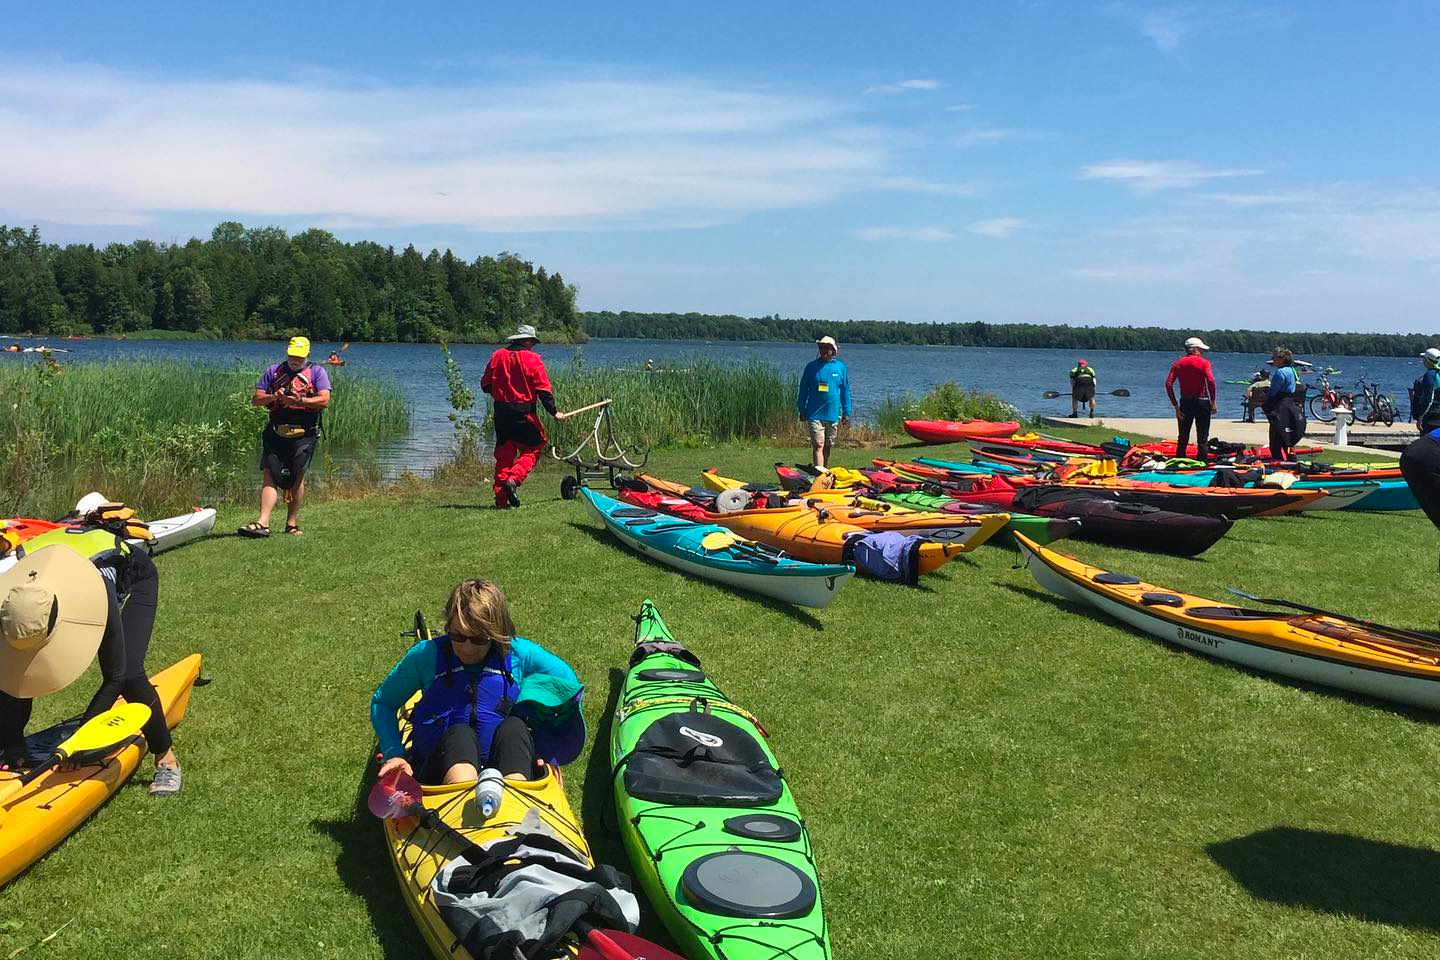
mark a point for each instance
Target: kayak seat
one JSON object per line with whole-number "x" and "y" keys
{"x": 737, "y": 883}
{"x": 698, "y": 759}
{"x": 632, "y": 512}
{"x": 1153, "y": 599}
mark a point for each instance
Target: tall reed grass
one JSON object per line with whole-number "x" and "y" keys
{"x": 947, "y": 401}
{"x": 157, "y": 435}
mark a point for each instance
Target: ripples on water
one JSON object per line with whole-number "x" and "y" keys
{"x": 876, "y": 371}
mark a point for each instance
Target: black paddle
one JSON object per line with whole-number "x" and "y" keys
{"x": 397, "y": 794}
{"x": 1118, "y": 392}
{"x": 1428, "y": 640}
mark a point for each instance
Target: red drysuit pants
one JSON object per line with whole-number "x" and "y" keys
{"x": 513, "y": 462}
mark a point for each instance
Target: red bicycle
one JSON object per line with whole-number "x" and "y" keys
{"x": 1327, "y": 398}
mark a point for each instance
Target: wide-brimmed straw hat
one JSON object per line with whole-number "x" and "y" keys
{"x": 52, "y": 616}
{"x": 828, "y": 342}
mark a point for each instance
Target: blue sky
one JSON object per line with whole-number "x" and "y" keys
{"x": 1181, "y": 164}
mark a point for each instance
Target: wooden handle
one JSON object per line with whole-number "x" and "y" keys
{"x": 602, "y": 403}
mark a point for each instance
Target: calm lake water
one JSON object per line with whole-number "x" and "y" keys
{"x": 876, "y": 371}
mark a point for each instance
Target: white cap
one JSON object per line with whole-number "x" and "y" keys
{"x": 828, "y": 342}
{"x": 1432, "y": 355}
{"x": 1196, "y": 342}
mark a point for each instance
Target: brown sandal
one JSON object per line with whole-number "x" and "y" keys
{"x": 293, "y": 529}
{"x": 254, "y": 529}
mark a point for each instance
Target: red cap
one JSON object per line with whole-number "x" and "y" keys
{"x": 1081, "y": 363}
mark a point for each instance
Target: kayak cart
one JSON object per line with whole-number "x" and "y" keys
{"x": 599, "y": 457}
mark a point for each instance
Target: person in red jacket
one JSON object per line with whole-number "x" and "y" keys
{"x": 1197, "y": 396}
{"x": 515, "y": 378}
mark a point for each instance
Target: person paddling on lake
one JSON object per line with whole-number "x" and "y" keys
{"x": 295, "y": 392}
{"x": 1282, "y": 406}
{"x": 62, "y": 603}
{"x": 515, "y": 378}
{"x": 824, "y": 399}
{"x": 1197, "y": 396}
{"x": 1082, "y": 388}
{"x": 477, "y": 684}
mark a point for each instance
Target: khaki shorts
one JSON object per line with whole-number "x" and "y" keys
{"x": 822, "y": 432}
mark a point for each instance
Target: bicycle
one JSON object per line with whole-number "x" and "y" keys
{"x": 1327, "y": 398}
{"x": 1378, "y": 406}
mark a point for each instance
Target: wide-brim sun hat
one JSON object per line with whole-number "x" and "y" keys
{"x": 828, "y": 342}
{"x": 550, "y": 706}
{"x": 53, "y": 610}
{"x": 1196, "y": 342}
{"x": 524, "y": 332}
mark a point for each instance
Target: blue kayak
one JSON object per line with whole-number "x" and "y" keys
{"x": 973, "y": 468}
{"x": 712, "y": 552}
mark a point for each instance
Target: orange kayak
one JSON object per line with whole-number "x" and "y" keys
{"x": 802, "y": 532}
{"x": 35, "y": 820}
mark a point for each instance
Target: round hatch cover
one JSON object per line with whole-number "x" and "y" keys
{"x": 739, "y": 884}
{"x": 764, "y": 826}
{"x": 672, "y": 674}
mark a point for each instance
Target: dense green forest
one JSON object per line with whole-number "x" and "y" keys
{"x": 262, "y": 283}
{"x": 697, "y": 326}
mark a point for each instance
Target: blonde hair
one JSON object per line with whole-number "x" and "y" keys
{"x": 477, "y": 609}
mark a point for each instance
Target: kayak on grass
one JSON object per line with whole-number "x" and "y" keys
{"x": 714, "y": 835}
{"x": 1307, "y": 647}
{"x": 1138, "y": 525}
{"x": 954, "y": 431}
{"x": 1362, "y": 494}
{"x": 1234, "y": 504}
{"x": 166, "y": 534}
{"x": 730, "y": 560}
{"x": 46, "y": 811}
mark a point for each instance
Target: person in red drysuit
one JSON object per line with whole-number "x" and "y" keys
{"x": 1197, "y": 396}
{"x": 515, "y": 378}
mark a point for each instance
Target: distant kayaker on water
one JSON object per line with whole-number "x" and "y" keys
{"x": 1282, "y": 406}
{"x": 1082, "y": 388}
{"x": 478, "y": 683}
{"x": 1197, "y": 396}
{"x": 515, "y": 378}
{"x": 824, "y": 399}
{"x": 296, "y": 392}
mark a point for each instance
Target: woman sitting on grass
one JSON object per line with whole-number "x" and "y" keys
{"x": 470, "y": 681}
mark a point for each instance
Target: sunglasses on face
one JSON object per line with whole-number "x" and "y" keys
{"x": 473, "y": 641}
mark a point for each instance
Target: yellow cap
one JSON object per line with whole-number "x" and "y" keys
{"x": 299, "y": 347}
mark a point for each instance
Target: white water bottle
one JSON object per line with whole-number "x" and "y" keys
{"x": 488, "y": 791}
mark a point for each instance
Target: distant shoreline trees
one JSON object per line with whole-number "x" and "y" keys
{"x": 261, "y": 283}
{"x": 698, "y": 326}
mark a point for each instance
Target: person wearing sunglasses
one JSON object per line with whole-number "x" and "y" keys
{"x": 488, "y": 698}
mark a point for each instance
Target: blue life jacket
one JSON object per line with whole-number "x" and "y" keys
{"x": 455, "y": 697}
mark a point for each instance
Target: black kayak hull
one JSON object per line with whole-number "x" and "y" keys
{"x": 1141, "y": 526}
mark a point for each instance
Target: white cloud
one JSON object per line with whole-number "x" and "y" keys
{"x": 1166, "y": 28}
{"x": 997, "y": 227}
{"x": 1148, "y": 176}
{"x": 1171, "y": 26}
{"x": 90, "y": 146}
{"x": 904, "y": 86}
{"x": 922, "y": 234}
{"x": 986, "y": 136}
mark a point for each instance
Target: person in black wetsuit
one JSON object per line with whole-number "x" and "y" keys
{"x": 1282, "y": 406}
{"x": 131, "y": 589}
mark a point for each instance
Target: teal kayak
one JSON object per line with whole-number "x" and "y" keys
{"x": 1387, "y": 494}
{"x": 706, "y": 815}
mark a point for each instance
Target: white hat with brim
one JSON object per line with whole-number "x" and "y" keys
{"x": 828, "y": 342}
{"x": 1432, "y": 355}
{"x": 1196, "y": 342}
{"x": 52, "y": 615}
{"x": 524, "y": 332}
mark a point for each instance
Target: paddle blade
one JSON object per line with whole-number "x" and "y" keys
{"x": 1050, "y": 394}
{"x": 718, "y": 540}
{"x": 105, "y": 731}
{"x": 393, "y": 795}
{"x": 1120, "y": 392}
{"x": 630, "y": 947}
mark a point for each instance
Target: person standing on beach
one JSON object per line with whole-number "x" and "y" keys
{"x": 1082, "y": 388}
{"x": 1197, "y": 396}
{"x": 515, "y": 378}
{"x": 295, "y": 391}
{"x": 1425, "y": 394}
{"x": 824, "y": 399}
{"x": 1282, "y": 406}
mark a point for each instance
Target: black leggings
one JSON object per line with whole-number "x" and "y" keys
{"x": 512, "y": 750}
{"x": 122, "y": 662}
{"x": 1196, "y": 411}
{"x": 1420, "y": 465}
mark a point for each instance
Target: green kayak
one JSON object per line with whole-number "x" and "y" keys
{"x": 707, "y": 817}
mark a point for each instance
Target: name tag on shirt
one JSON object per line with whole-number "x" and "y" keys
{"x": 822, "y": 388}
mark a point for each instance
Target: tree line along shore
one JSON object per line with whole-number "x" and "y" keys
{"x": 262, "y": 283}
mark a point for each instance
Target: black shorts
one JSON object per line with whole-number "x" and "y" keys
{"x": 1083, "y": 390}
{"x": 286, "y": 459}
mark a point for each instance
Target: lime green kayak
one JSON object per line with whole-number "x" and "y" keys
{"x": 706, "y": 815}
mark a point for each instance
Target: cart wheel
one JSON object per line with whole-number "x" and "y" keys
{"x": 569, "y": 488}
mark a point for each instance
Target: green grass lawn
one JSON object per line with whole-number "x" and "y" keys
{"x": 986, "y": 772}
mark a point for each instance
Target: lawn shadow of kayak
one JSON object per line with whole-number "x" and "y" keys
{"x": 1336, "y": 873}
{"x": 363, "y": 864}
{"x": 795, "y": 613}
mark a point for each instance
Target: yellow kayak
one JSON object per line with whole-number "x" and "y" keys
{"x": 417, "y": 854}
{"x": 36, "y": 819}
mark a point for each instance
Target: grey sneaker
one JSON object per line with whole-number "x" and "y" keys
{"x": 166, "y": 782}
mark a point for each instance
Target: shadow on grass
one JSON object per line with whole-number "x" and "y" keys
{"x": 363, "y": 864}
{"x": 1336, "y": 873}
{"x": 1416, "y": 714}
{"x": 789, "y": 610}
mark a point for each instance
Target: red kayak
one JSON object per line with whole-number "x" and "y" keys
{"x": 954, "y": 431}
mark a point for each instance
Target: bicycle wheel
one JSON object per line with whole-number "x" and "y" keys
{"x": 1320, "y": 408}
{"x": 1386, "y": 409}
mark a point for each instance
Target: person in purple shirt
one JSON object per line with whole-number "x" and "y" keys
{"x": 295, "y": 392}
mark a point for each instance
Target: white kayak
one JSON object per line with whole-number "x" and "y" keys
{"x": 177, "y": 531}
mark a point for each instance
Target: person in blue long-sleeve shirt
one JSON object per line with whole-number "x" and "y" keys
{"x": 469, "y": 680}
{"x": 824, "y": 400}
{"x": 1282, "y": 406}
